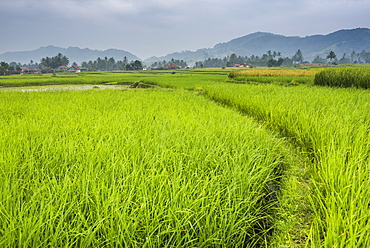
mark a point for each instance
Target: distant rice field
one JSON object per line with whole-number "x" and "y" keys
{"x": 274, "y": 73}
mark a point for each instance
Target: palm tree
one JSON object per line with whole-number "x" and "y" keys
{"x": 331, "y": 56}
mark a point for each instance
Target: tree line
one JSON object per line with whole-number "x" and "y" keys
{"x": 274, "y": 59}
{"x": 164, "y": 64}
{"x": 6, "y": 69}
{"x": 54, "y": 62}
{"x": 110, "y": 64}
{"x": 270, "y": 58}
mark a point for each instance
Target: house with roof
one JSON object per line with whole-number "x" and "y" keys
{"x": 240, "y": 65}
{"x": 30, "y": 70}
{"x": 63, "y": 68}
{"x": 173, "y": 66}
{"x": 74, "y": 69}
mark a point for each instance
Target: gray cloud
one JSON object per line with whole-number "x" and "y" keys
{"x": 158, "y": 27}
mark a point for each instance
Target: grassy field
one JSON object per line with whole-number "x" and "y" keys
{"x": 144, "y": 168}
{"x": 358, "y": 77}
{"x": 332, "y": 127}
{"x": 125, "y": 78}
{"x": 196, "y": 161}
{"x": 111, "y": 78}
{"x": 275, "y": 76}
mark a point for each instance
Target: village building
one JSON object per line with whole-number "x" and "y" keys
{"x": 30, "y": 70}
{"x": 173, "y": 66}
{"x": 63, "y": 68}
{"x": 74, "y": 69}
{"x": 240, "y": 65}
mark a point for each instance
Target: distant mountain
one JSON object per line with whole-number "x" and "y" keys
{"x": 74, "y": 54}
{"x": 342, "y": 41}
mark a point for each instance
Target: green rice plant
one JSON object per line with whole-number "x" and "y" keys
{"x": 273, "y": 73}
{"x": 358, "y": 77}
{"x": 281, "y": 76}
{"x": 124, "y": 77}
{"x": 139, "y": 168}
{"x": 189, "y": 79}
{"x": 332, "y": 126}
{"x": 273, "y": 80}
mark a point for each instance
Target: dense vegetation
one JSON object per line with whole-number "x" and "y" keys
{"x": 6, "y": 69}
{"x": 292, "y": 77}
{"x": 96, "y": 168}
{"x": 344, "y": 77}
{"x": 167, "y": 167}
{"x": 331, "y": 126}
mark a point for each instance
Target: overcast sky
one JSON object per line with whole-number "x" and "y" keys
{"x": 158, "y": 27}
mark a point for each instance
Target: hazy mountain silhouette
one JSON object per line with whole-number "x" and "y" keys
{"x": 342, "y": 41}
{"x": 74, "y": 54}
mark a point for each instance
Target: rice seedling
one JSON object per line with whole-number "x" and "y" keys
{"x": 281, "y": 76}
{"x": 168, "y": 168}
{"x": 124, "y": 78}
{"x": 273, "y": 73}
{"x": 332, "y": 126}
{"x": 139, "y": 168}
{"x": 358, "y": 77}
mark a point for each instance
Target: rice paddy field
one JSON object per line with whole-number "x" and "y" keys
{"x": 194, "y": 161}
{"x": 276, "y": 76}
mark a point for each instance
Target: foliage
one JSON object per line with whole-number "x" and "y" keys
{"x": 358, "y": 77}
{"x": 331, "y": 56}
{"x": 134, "y": 65}
{"x": 105, "y": 64}
{"x": 273, "y": 73}
{"x": 285, "y": 76}
{"x": 123, "y": 77}
{"x": 6, "y": 69}
{"x": 275, "y": 63}
{"x": 167, "y": 158}
{"x": 111, "y": 64}
{"x": 319, "y": 60}
{"x": 268, "y": 59}
{"x": 139, "y": 168}
{"x": 298, "y": 57}
{"x": 163, "y": 64}
{"x": 332, "y": 127}
{"x": 54, "y": 62}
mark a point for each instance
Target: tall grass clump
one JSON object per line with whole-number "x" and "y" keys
{"x": 332, "y": 126}
{"x": 141, "y": 168}
{"x": 344, "y": 77}
{"x": 273, "y": 76}
{"x": 273, "y": 73}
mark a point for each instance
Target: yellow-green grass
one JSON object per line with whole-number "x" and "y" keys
{"x": 332, "y": 126}
{"x": 274, "y": 73}
{"x": 358, "y": 77}
{"x": 189, "y": 79}
{"x": 124, "y": 78}
{"x": 277, "y": 76}
{"x": 139, "y": 168}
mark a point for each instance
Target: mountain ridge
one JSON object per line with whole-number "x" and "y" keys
{"x": 74, "y": 54}
{"x": 340, "y": 41}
